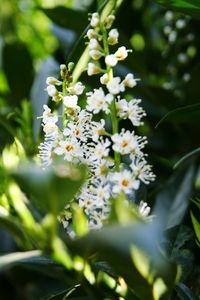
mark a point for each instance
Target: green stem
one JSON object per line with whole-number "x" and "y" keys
{"x": 113, "y": 111}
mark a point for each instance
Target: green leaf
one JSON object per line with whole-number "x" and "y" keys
{"x": 173, "y": 199}
{"x": 113, "y": 244}
{"x": 8, "y": 260}
{"x": 18, "y": 68}
{"x": 190, "y": 7}
{"x": 196, "y": 225}
{"x": 75, "y": 20}
{"x": 184, "y": 292}
{"x": 51, "y": 188}
{"x": 186, "y": 114}
{"x": 185, "y": 157}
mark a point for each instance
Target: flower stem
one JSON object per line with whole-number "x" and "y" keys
{"x": 113, "y": 112}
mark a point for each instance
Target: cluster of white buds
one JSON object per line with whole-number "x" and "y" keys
{"x": 81, "y": 139}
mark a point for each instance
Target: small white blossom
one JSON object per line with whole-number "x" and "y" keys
{"x": 180, "y": 24}
{"x": 104, "y": 78}
{"x": 70, "y": 149}
{"x": 47, "y": 116}
{"x": 98, "y": 101}
{"x": 45, "y": 152}
{"x": 70, "y": 101}
{"x": 50, "y": 129}
{"x": 101, "y": 149}
{"x": 121, "y": 53}
{"x": 111, "y": 60}
{"x": 77, "y": 89}
{"x": 94, "y": 22}
{"x": 127, "y": 143}
{"x": 124, "y": 181}
{"x": 52, "y": 91}
{"x": 144, "y": 209}
{"x": 93, "y": 44}
{"x": 95, "y": 54}
{"x": 53, "y": 81}
{"x": 114, "y": 86}
{"x": 92, "y": 69}
{"x": 129, "y": 81}
{"x": 113, "y": 36}
{"x": 142, "y": 170}
{"x": 91, "y": 33}
{"x": 109, "y": 21}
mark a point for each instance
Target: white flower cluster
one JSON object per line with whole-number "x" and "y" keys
{"x": 80, "y": 139}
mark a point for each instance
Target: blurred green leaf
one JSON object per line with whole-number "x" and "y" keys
{"x": 186, "y": 114}
{"x": 196, "y": 225}
{"x": 51, "y": 188}
{"x": 75, "y": 20}
{"x": 185, "y": 157}
{"x": 8, "y": 260}
{"x": 173, "y": 199}
{"x": 184, "y": 292}
{"x": 190, "y": 7}
{"x": 113, "y": 243}
{"x": 18, "y": 68}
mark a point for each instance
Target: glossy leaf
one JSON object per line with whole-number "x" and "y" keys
{"x": 52, "y": 188}
{"x": 8, "y": 260}
{"x": 186, "y": 114}
{"x": 18, "y": 68}
{"x": 190, "y": 7}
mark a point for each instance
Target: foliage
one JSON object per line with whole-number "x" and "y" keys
{"x": 131, "y": 257}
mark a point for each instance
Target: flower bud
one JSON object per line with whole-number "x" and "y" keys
{"x": 94, "y": 22}
{"x": 91, "y": 33}
{"x": 77, "y": 89}
{"x": 95, "y": 54}
{"x": 53, "y": 81}
{"x": 70, "y": 66}
{"x": 70, "y": 101}
{"x": 113, "y": 37}
{"x": 111, "y": 60}
{"x": 121, "y": 53}
{"x": 52, "y": 91}
{"x": 104, "y": 79}
{"x": 93, "y": 44}
{"x": 93, "y": 69}
{"x": 109, "y": 21}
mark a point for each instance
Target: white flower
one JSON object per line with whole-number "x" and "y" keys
{"x": 109, "y": 21}
{"x": 70, "y": 101}
{"x": 93, "y": 69}
{"x": 135, "y": 112}
{"x": 45, "y": 152}
{"x": 97, "y": 129}
{"x": 52, "y": 91}
{"x": 70, "y": 149}
{"x": 47, "y": 116}
{"x": 93, "y": 44}
{"x": 98, "y": 101}
{"x": 121, "y": 53}
{"x": 77, "y": 89}
{"x": 122, "y": 107}
{"x": 104, "y": 78}
{"x": 111, "y": 60}
{"x": 129, "y": 81}
{"x": 142, "y": 170}
{"x": 95, "y": 54}
{"x": 101, "y": 149}
{"x": 53, "y": 81}
{"x": 124, "y": 181}
{"x": 91, "y": 33}
{"x": 94, "y": 22}
{"x": 113, "y": 37}
{"x": 114, "y": 86}
{"x": 50, "y": 129}
{"x": 128, "y": 143}
{"x": 144, "y": 209}
{"x": 180, "y": 24}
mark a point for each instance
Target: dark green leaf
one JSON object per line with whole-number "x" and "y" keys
{"x": 75, "y": 20}
{"x": 173, "y": 200}
{"x": 190, "y": 7}
{"x": 184, "y": 292}
{"x": 186, "y": 114}
{"x": 8, "y": 260}
{"x": 18, "y": 68}
{"x": 51, "y": 188}
{"x": 196, "y": 225}
{"x": 188, "y": 155}
{"x": 113, "y": 243}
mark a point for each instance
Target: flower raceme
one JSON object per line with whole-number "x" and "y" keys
{"x": 81, "y": 139}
